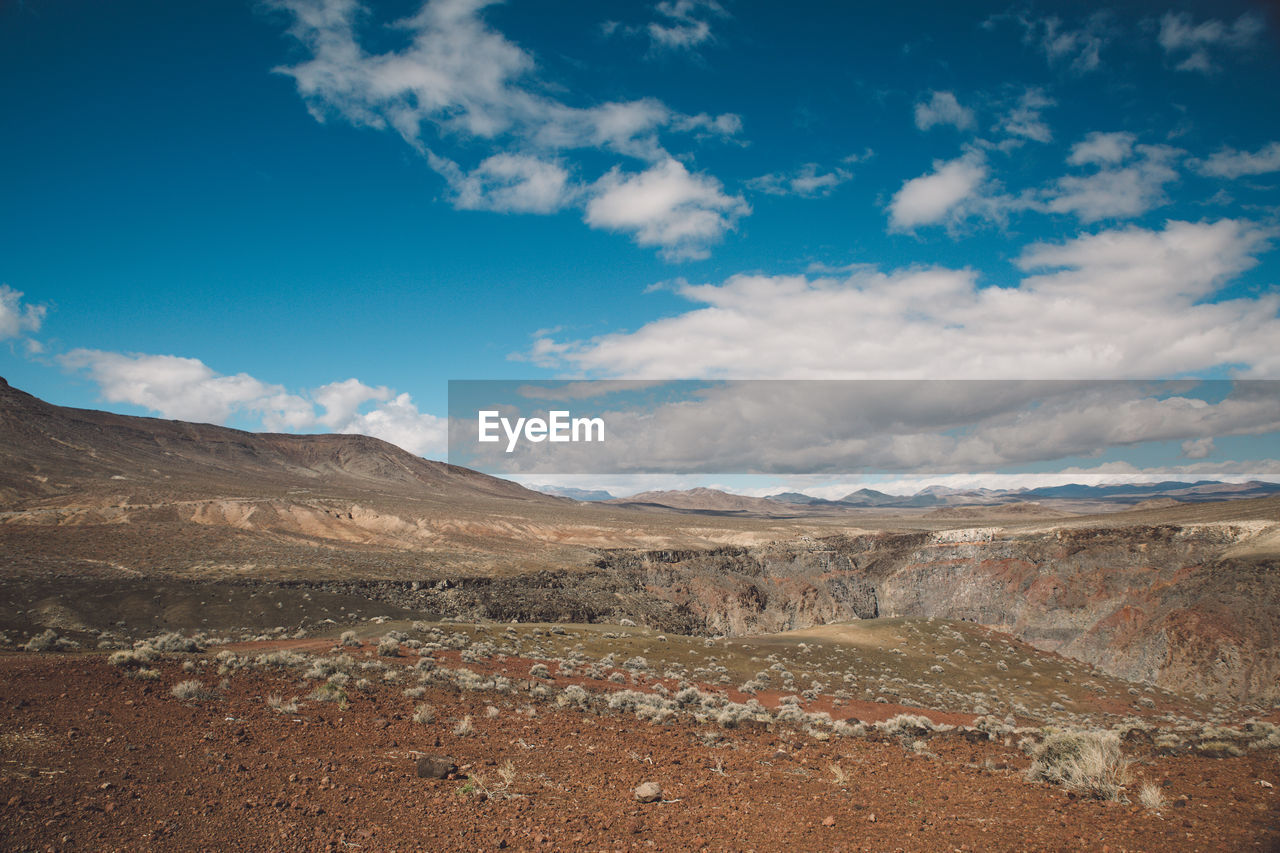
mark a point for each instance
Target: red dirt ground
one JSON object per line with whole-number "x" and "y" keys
{"x": 92, "y": 760}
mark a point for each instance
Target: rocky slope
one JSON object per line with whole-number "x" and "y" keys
{"x": 1192, "y": 607}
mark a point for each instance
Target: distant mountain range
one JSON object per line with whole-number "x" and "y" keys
{"x": 1062, "y": 496}
{"x": 575, "y": 494}
{"x": 1124, "y": 494}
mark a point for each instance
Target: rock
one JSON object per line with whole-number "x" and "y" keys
{"x": 649, "y": 792}
{"x": 829, "y": 820}
{"x": 436, "y": 766}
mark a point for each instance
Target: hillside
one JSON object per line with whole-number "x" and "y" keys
{"x": 51, "y": 453}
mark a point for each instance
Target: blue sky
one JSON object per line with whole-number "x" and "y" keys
{"x": 312, "y": 215}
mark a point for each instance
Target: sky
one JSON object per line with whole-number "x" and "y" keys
{"x": 311, "y": 215}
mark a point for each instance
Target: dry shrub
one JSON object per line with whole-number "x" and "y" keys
{"x": 1088, "y": 762}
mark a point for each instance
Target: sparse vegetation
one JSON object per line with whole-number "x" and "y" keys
{"x": 1087, "y": 762}
{"x": 277, "y": 703}
{"x": 330, "y": 692}
{"x": 191, "y": 690}
{"x": 1151, "y": 797}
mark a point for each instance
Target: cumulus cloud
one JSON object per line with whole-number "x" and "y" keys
{"x": 457, "y": 81}
{"x": 1230, "y": 163}
{"x": 942, "y": 108}
{"x": 1129, "y": 182}
{"x": 398, "y": 421}
{"x": 18, "y": 317}
{"x": 1129, "y": 302}
{"x": 1120, "y": 179}
{"x": 511, "y": 183}
{"x": 938, "y": 195}
{"x": 665, "y": 206}
{"x": 1102, "y": 149}
{"x": 188, "y": 389}
{"x": 1192, "y": 44}
{"x": 1197, "y": 448}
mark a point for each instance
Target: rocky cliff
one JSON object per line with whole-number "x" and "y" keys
{"x": 1191, "y": 607}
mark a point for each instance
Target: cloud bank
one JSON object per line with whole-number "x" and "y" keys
{"x": 1127, "y": 302}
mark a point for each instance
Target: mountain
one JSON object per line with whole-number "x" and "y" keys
{"x": 801, "y": 499}
{"x": 869, "y": 497}
{"x": 575, "y": 494}
{"x": 50, "y": 452}
{"x": 702, "y": 499}
{"x": 1134, "y": 493}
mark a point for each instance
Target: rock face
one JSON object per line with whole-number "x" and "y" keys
{"x": 1163, "y": 604}
{"x": 1189, "y": 607}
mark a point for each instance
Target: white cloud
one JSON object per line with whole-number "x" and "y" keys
{"x": 188, "y": 389}
{"x": 1077, "y": 48}
{"x": 1116, "y": 190}
{"x": 942, "y": 108}
{"x": 1198, "y": 448}
{"x": 1129, "y": 180}
{"x": 1230, "y": 163}
{"x": 184, "y": 388}
{"x": 935, "y": 196}
{"x": 1102, "y": 149}
{"x": 342, "y": 400}
{"x": 1129, "y": 302}
{"x": 457, "y": 80}
{"x": 398, "y": 421}
{"x": 809, "y": 181}
{"x": 1194, "y": 43}
{"x": 512, "y": 183}
{"x": 685, "y": 23}
{"x": 666, "y": 206}
{"x": 1024, "y": 120}
{"x": 17, "y": 317}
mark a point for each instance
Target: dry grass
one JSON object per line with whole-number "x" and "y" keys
{"x": 191, "y": 691}
{"x": 1088, "y": 762}
{"x": 277, "y": 703}
{"x": 1151, "y": 796}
